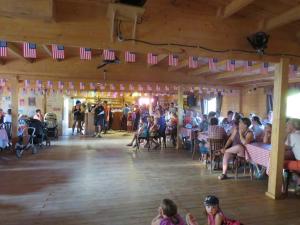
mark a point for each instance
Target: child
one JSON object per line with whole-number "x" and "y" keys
{"x": 203, "y": 151}
{"x": 213, "y": 212}
{"x": 167, "y": 214}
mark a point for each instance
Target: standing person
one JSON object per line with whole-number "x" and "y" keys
{"x": 111, "y": 118}
{"x": 99, "y": 119}
{"x": 107, "y": 114}
{"x": 136, "y": 118}
{"x": 172, "y": 108}
{"x": 38, "y": 115}
{"x": 125, "y": 112}
{"x": 76, "y": 113}
{"x": 7, "y": 117}
{"x": 1, "y": 116}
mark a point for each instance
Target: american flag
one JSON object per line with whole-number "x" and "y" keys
{"x": 131, "y": 87}
{"x": 112, "y": 87}
{"x": 58, "y": 52}
{"x": 167, "y": 88}
{"x": 2, "y": 82}
{"x": 152, "y": 59}
{"x": 27, "y": 83}
{"x": 3, "y": 48}
{"x": 149, "y": 88}
{"x": 29, "y": 50}
{"x": 230, "y": 65}
{"x": 50, "y": 84}
{"x": 140, "y": 87}
{"x": 109, "y": 54}
{"x": 71, "y": 85}
{"x": 92, "y": 85}
{"x": 264, "y": 68}
{"x": 81, "y": 86}
{"x": 193, "y": 62}
{"x": 293, "y": 70}
{"x": 60, "y": 85}
{"x": 157, "y": 88}
{"x": 212, "y": 64}
{"x": 129, "y": 57}
{"x": 248, "y": 66}
{"x": 122, "y": 88}
{"x": 86, "y": 53}
{"x": 39, "y": 84}
{"x": 173, "y": 60}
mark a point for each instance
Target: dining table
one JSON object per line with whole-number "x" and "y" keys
{"x": 259, "y": 153}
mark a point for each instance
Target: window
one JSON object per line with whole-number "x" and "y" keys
{"x": 293, "y": 109}
{"x": 210, "y": 105}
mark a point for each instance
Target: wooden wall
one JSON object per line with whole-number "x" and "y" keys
{"x": 230, "y": 103}
{"x": 254, "y": 101}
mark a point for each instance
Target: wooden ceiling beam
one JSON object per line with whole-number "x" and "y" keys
{"x": 233, "y": 7}
{"x": 47, "y": 50}
{"x": 160, "y": 58}
{"x": 259, "y": 77}
{"x": 13, "y": 48}
{"x": 181, "y": 65}
{"x": 205, "y": 68}
{"x": 29, "y": 9}
{"x": 286, "y": 17}
{"x": 236, "y": 73}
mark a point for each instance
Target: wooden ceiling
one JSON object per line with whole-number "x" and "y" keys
{"x": 215, "y": 24}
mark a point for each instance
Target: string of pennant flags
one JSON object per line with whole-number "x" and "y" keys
{"x": 48, "y": 87}
{"x": 58, "y": 52}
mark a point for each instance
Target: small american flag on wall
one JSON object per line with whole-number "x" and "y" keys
{"x": 248, "y": 66}
{"x": 193, "y": 62}
{"x": 152, "y": 59}
{"x": 71, "y": 85}
{"x": 49, "y": 84}
{"x": 129, "y": 57}
{"x": 27, "y": 83}
{"x": 58, "y": 51}
{"x": 29, "y": 50}
{"x": 92, "y": 86}
{"x": 230, "y": 65}
{"x": 109, "y": 54}
{"x": 60, "y": 85}
{"x": 265, "y": 68}
{"x": 81, "y": 85}
{"x": 3, "y": 48}
{"x": 39, "y": 84}
{"x": 173, "y": 60}
{"x": 212, "y": 64}
{"x": 86, "y": 53}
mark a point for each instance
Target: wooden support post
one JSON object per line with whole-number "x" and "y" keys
{"x": 45, "y": 103}
{"x": 180, "y": 117}
{"x": 14, "y": 105}
{"x": 134, "y": 27}
{"x": 151, "y": 105}
{"x": 112, "y": 32}
{"x": 278, "y": 129}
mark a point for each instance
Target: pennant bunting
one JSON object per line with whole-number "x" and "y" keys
{"x": 167, "y": 88}
{"x": 71, "y": 85}
{"x": 265, "y": 68}
{"x": 85, "y": 53}
{"x": 49, "y": 84}
{"x": 3, "y": 48}
{"x": 193, "y": 62}
{"x": 39, "y": 84}
{"x": 248, "y": 66}
{"x": 92, "y": 86}
{"x": 29, "y": 50}
{"x": 152, "y": 59}
{"x": 149, "y": 88}
{"x": 230, "y": 65}
{"x": 173, "y": 60}
{"x": 27, "y": 83}
{"x": 58, "y": 51}
{"x": 61, "y": 85}
{"x": 131, "y": 87}
{"x": 212, "y": 64}
{"x": 140, "y": 87}
{"x": 129, "y": 57}
{"x": 2, "y": 82}
{"x": 81, "y": 86}
{"x": 109, "y": 54}
{"x": 122, "y": 88}
{"x": 157, "y": 88}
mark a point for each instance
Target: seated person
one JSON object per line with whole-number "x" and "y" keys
{"x": 293, "y": 140}
{"x": 38, "y": 115}
{"x": 204, "y": 124}
{"x": 167, "y": 214}
{"x": 187, "y": 118}
{"x": 228, "y": 121}
{"x": 290, "y": 129}
{"x": 267, "y": 133}
{"x": 257, "y": 129}
{"x": 215, "y": 131}
{"x": 142, "y": 132}
{"x": 240, "y": 136}
{"x": 154, "y": 132}
{"x": 7, "y": 117}
{"x": 203, "y": 148}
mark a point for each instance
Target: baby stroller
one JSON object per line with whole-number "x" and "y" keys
{"x": 51, "y": 125}
{"x": 4, "y": 141}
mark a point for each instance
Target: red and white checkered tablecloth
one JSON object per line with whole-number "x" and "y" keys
{"x": 259, "y": 153}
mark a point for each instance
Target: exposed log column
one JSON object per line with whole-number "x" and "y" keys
{"x": 14, "y": 105}
{"x": 180, "y": 116}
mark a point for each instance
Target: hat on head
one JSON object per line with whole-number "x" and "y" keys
{"x": 78, "y": 102}
{"x": 211, "y": 200}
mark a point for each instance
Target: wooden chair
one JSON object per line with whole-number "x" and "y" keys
{"x": 241, "y": 161}
{"x": 142, "y": 138}
{"x": 215, "y": 145}
{"x": 290, "y": 167}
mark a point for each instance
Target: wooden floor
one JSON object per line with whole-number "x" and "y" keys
{"x": 101, "y": 182}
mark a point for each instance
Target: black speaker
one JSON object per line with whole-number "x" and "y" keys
{"x": 259, "y": 41}
{"x": 134, "y": 2}
{"x": 191, "y": 100}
